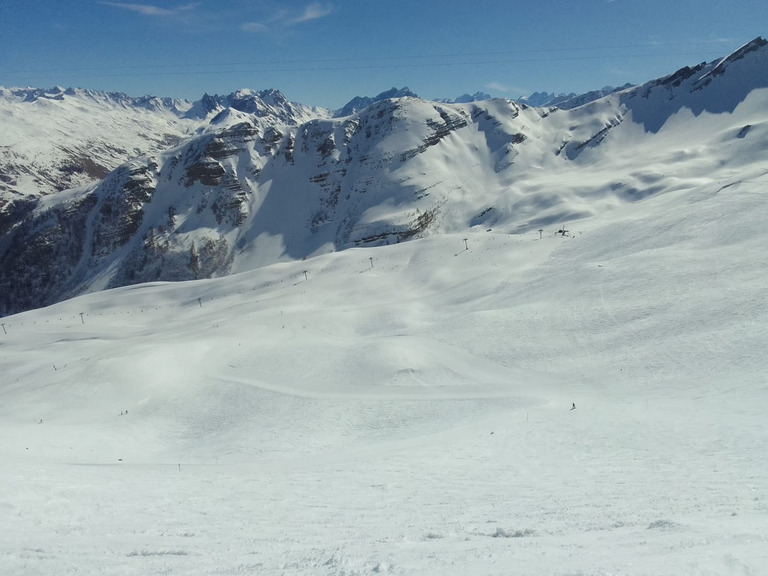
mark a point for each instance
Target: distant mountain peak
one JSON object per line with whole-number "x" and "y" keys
{"x": 359, "y": 102}
{"x": 570, "y": 100}
{"x": 261, "y": 103}
{"x": 175, "y": 105}
{"x": 466, "y": 98}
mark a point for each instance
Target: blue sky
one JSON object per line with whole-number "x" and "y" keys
{"x": 326, "y": 52}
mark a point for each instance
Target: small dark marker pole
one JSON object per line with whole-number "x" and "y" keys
{"x": 4, "y": 332}
{"x": 200, "y": 301}
{"x": 305, "y": 275}
{"x": 371, "y": 259}
{"x": 465, "y": 244}
{"x": 179, "y": 466}
{"x": 81, "y": 317}
{"x": 541, "y": 231}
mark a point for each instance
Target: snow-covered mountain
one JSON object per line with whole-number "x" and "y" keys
{"x": 263, "y": 181}
{"x": 464, "y": 98}
{"x": 269, "y": 104}
{"x": 525, "y": 392}
{"x": 56, "y": 139}
{"x": 360, "y": 102}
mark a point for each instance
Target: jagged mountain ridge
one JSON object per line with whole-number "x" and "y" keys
{"x": 268, "y": 103}
{"x": 700, "y": 88}
{"x": 80, "y": 135}
{"x": 60, "y": 138}
{"x": 570, "y": 100}
{"x": 249, "y": 190}
{"x": 359, "y": 103}
{"x": 464, "y": 98}
{"x": 63, "y": 138}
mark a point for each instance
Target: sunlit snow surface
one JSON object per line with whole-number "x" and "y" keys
{"x": 406, "y": 409}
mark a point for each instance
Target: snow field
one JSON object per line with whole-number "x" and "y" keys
{"x": 409, "y": 414}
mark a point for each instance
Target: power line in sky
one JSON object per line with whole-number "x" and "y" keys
{"x": 228, "y": 70}
{"x": 407, "y": 61}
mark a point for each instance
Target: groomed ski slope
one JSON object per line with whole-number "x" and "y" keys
{"x": 406, "y": 409}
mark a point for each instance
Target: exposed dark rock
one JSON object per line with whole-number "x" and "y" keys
{"x": 13, "y": 212}
{"x": 38, "y": 256}
{"x": 450, "y": 123}
{"x": 327, "y": 147}
{"x": 400, "y": 233}
{"x": 207, "y": 172}
{"x": 681, "y": 75}
{"x": 229, "y": 205}
{"x": 121, "y": 211}
{"x": 288, "y": 149}
{"x": 574, "y": 150}
{"x": 319, "y": 178}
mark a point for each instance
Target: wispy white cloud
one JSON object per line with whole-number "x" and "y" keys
{"x": 503, "y": 88}
{"x": 146, "y": 9}
{"x": 284, "y": 17}
{"x": 312, "y": 11}
{"x": 194, "y": 14}
{"x": 254, "y": 27}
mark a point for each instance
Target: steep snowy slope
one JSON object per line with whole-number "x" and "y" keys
{"x": 715, "y": 88}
